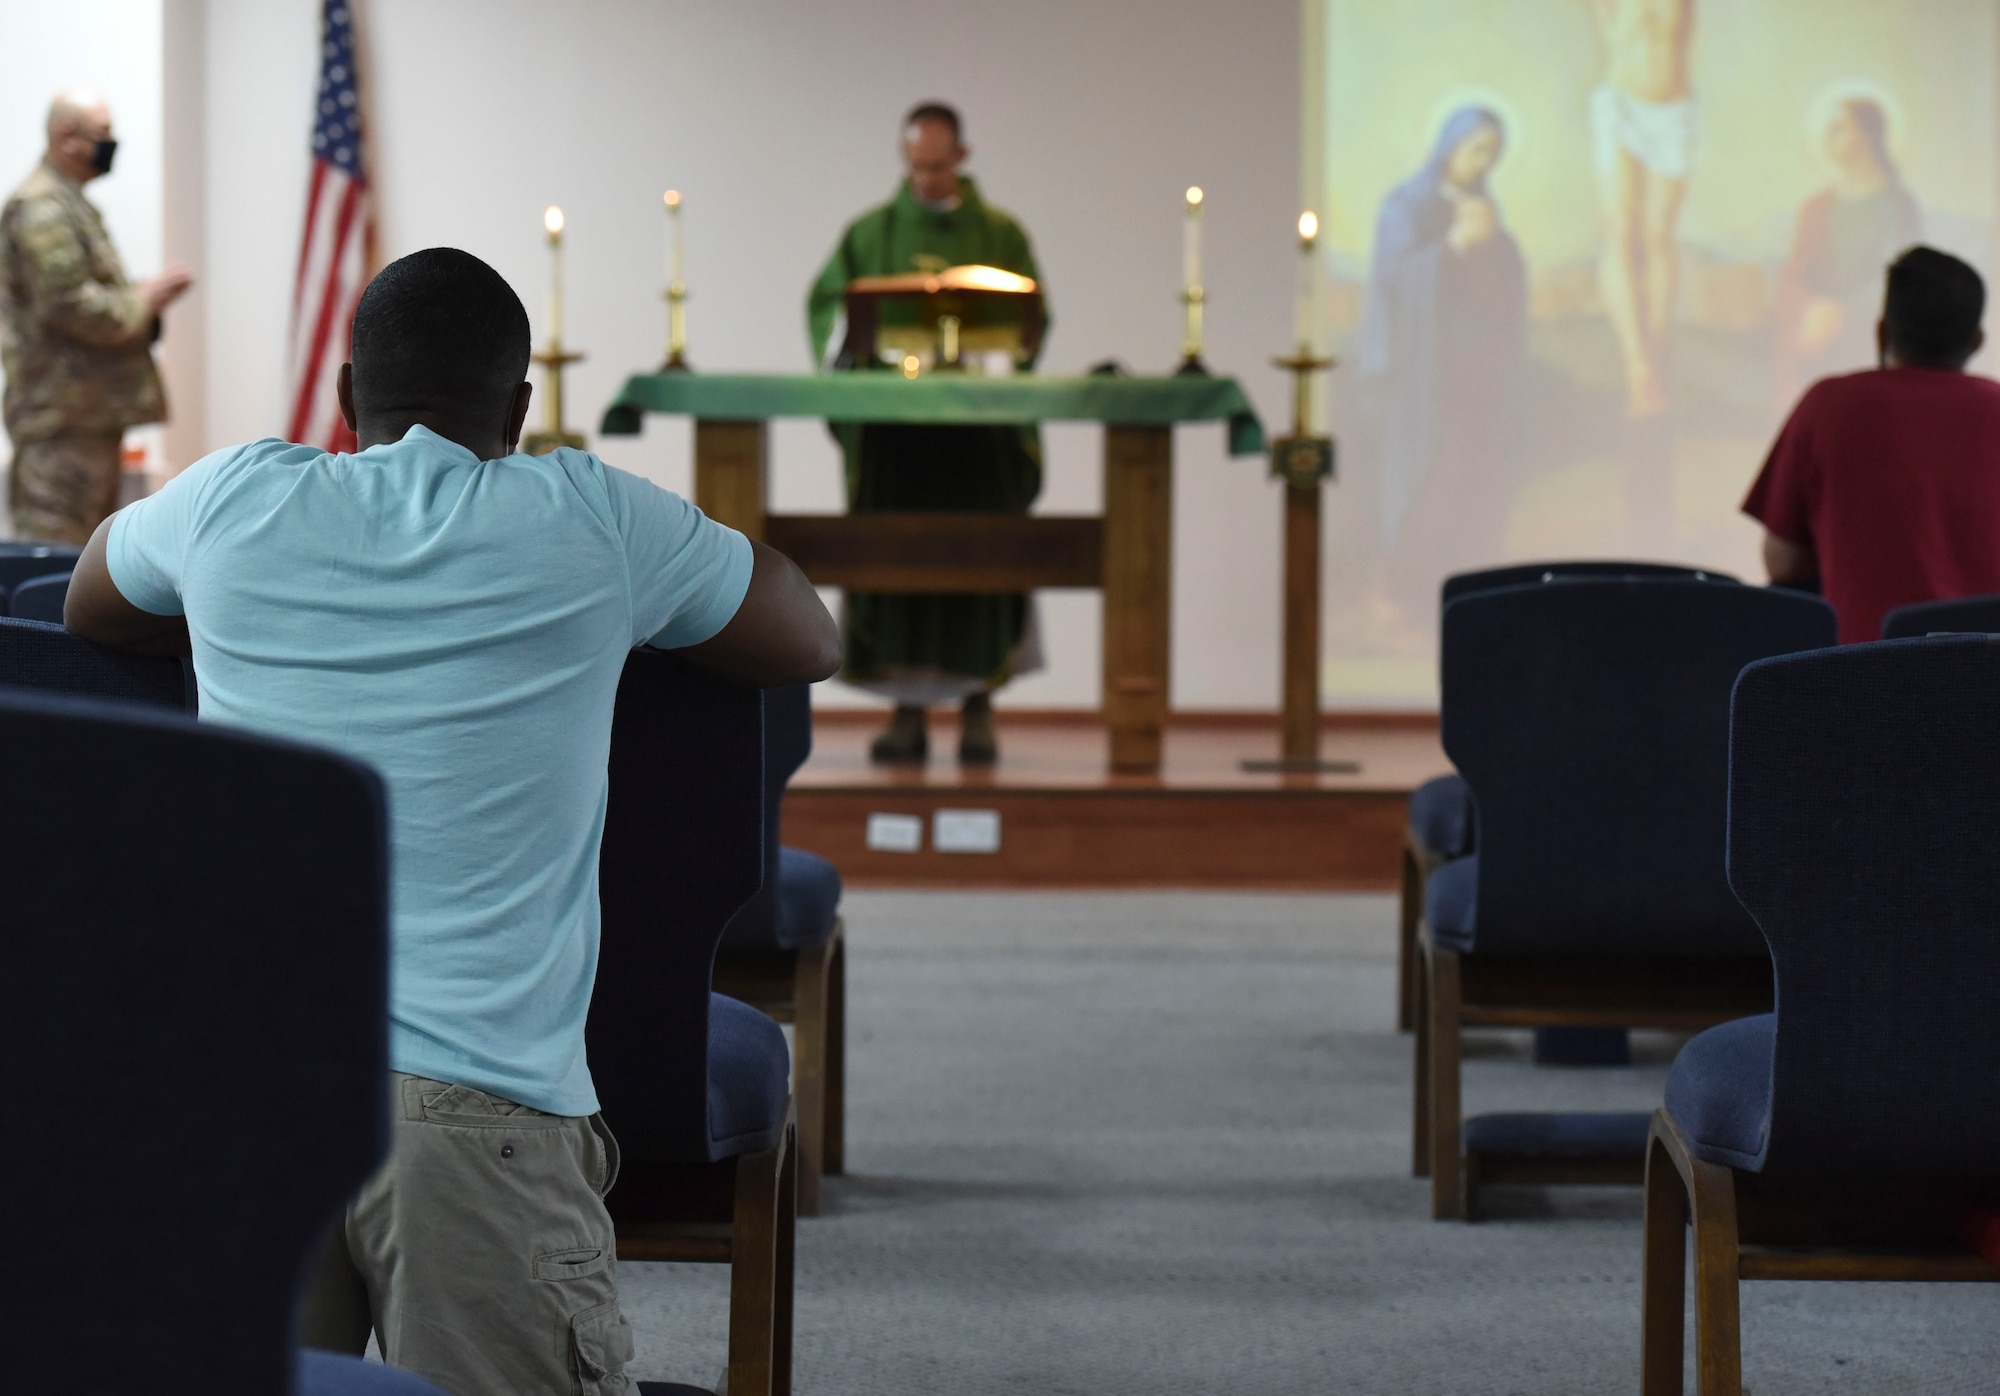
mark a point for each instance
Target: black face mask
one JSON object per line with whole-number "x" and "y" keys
{"x": 100, "y": 157}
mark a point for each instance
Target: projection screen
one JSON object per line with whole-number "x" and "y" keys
{"x": 1579, "y": 257}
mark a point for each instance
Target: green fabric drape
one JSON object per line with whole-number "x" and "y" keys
{"x": 943, "y": 399}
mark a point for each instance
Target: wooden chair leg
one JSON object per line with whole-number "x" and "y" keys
{"x": 1718, "y": 1338}
{"x": 809, "y": 1046}
{"x": 1441, "y": 992}
{"x": 1420, "y": 1078}
{"x": 781, "y": 1308}
{"x": 1411, "y": 906}
{"x": 833, "y": 1136}
{"x": 1663, "y": 1302}
{"x": 756, "y": 1253}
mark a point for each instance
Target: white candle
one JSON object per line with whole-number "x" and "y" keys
{"x": 552, "y": 219}
{"x": 1308, "y": 233}
{"x": 1191, "y": 241}
{"x": 674, "y": 266}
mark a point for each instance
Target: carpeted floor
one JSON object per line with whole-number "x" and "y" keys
{"x": 1159, "y": 1143}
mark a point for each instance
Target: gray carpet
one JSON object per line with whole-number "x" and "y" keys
{"x": 1159, "y": 1143}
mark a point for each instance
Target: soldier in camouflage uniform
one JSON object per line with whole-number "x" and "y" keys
{"x": 75, "y": 337}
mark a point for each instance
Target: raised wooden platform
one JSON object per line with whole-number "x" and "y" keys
{"x": 1066, "y": 821}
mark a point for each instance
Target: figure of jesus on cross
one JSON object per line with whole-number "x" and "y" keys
{"x": 1644, "y": 131}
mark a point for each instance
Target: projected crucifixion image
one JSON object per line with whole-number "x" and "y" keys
{"x": 1580, "y": 258}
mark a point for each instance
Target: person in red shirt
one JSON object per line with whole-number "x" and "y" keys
{"x": 1884, "y": 487}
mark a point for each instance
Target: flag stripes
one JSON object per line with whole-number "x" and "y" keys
{"x": 334, "y": 252}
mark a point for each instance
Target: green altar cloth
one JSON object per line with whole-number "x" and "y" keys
{"x": 939, "y": 399}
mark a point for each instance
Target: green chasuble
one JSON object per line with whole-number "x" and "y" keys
{"x": 930, "y": 648}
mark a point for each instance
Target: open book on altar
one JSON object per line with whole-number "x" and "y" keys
{"x": 939, "y": 317}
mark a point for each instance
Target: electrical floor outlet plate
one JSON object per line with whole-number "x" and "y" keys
{"x": 895, "y": 833}
{"x": 966, "y": 831}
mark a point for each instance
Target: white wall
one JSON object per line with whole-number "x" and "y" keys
{"x": 112, "y": 47}
{"x": 778, "y": 122}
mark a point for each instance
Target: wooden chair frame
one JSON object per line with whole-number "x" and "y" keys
{"x": 1751, "y": 1227}
{"x": 808, "y": 989}
{"x": 1458, "y": 991}
{"x": 1418, "y": 865}
{"x": 740, "y": 1212}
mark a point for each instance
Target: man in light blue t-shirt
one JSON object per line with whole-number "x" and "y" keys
{"x": 457, "y": 616}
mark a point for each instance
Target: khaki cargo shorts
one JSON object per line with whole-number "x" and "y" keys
{"x": 481, "y": 1255}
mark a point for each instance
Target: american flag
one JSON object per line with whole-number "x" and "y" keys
{"x": 338, "y": 246}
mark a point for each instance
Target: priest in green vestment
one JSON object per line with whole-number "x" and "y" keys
{"x": 920, "y": 650}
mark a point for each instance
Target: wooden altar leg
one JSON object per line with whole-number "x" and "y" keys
{"x": 729, "y": 473}
{"x": 1301, "y": 677}
{"x": 1138, "y": 590}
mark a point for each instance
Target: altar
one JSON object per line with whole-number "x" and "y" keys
{"x": 1126, "y": 553}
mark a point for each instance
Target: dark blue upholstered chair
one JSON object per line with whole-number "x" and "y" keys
{"x": 40, "y": 598}
{"x": 1977, "y": 614}
{"x": 1520, "y": 573}
{"x": 49, "y": 659}
{"x": 152, "y": 982}
{"x": 1590, "y": 717}
{"x": 785, "y": 952}
{"x": 1442, "y": 825}
{"x": 1849, "y": 1134}
{"x": 696, "y": 1085}
{"x": 20, "y": 560}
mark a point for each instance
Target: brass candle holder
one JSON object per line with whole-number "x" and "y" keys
{"x": 676, "y": 361}
{"x": 1302, "y": 459}
{"x": 676, "y": 292}
{"x": 1191, "y": 364}
{"x": 553, "y": 360}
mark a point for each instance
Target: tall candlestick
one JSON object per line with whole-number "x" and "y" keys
{"x": 1308, "y": 234}
{"x": 676, "y": 292}
{"x": 1304, "y": 461}
{"x": 1192, "y": 295}
{"x": 552, "y": 219}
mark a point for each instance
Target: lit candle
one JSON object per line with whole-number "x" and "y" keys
{"x": 552, "y": 219}
{"x": 1191, "y": 241}
{"x": 1308, "y": 233}
{"x": 674, "y": 267}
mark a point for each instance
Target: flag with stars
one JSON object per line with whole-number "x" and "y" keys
{"x": 338, "y": 247}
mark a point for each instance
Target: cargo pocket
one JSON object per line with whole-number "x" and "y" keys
{"x": 600, "y": 1344}
{"x": 572, "y": 1265}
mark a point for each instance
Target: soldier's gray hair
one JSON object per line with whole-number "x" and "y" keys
{"x": 72, "y": 109}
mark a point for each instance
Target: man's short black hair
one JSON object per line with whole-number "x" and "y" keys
{"x": 935, "y": 111}
{"x": 1931, "y": 314}
{"x": 439, "y": 329}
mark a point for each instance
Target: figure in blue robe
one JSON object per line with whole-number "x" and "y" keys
{"x": 1441, "y": 364}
